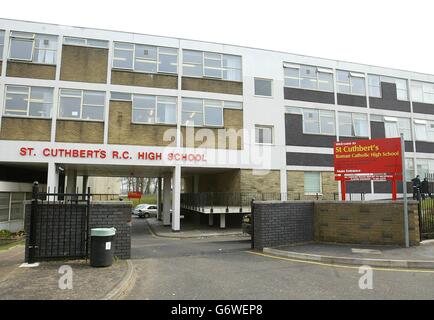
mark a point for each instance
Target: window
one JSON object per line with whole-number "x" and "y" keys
{"x": 85, "y": 42}
{"x": 318, "y": 121}
{"x": 263, "y": 87}
{"x": 263, "y": 134}
{"x": 308, "y": 77}
{"x": 154, "y": 109}
{"x": 144, "y": 58}
{"x": 353, "y": 124}
{"x": 395, "y": 126}
{"x": 81, "y": 104}
{"x": 12, "y": 206}
{"x": 199, "y": 112}
{"x": 422, "y": 92}
{"x": 423, "y": 167}
{"x": 374, "y": 83}
{"x": 212, "y": 65}
{"x": 28, "y": 101}
{"x": 4, "y": 206}
{"x": 424, "y": 130}
{"x": 350, "y": 82}
{"x": 31, "y": 47}
{"x": 121, "y": 96}
{"x": 312, "y": 182}
{"x": 409, "y": 168}
{"x": 2, "y": 42}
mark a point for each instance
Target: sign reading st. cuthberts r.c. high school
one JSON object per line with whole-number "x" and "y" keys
{"x": 74, "y": 153}
{"x": 368, "y": 156}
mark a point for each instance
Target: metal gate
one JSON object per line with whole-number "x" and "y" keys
{"x": 59, "y": 225}
{"x": 426, "y": 207}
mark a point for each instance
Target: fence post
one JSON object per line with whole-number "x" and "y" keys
{"x": 252, "y": 223}
{"x": 32, "y": 222}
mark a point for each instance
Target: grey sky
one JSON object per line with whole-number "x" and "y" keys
{"x": 395, "y": 34}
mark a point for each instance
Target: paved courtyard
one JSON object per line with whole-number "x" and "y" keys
{"x": 225, "y": 268}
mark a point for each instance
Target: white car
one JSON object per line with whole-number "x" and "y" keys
{"x": 145, "y": 210}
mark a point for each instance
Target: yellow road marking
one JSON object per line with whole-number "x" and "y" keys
{"x": 339, "y": 265}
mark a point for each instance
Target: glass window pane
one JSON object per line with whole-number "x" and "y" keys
{"x": 374, "y": 91}
{"x": 4, "y": 206}
{"x": 312, "y": 182}
{"x": 325, "y": 81}
{"x": 93, "y": 113}
{"x": 212, "y": 63}
{"x": 263, "y": 87}
{"x": 391, "y": 129}
{"x": 192, "y": 105}
{"x": 232, "y": 74}
{"x": 74, "y": 41}
{"x": 192, "y": 118}
{"x": 342, "y": 76}
{"x": 213, "y": 116}
{"x": 311, "y": 121}
{"x": 213, "y": 56}
{"x": 16, "y": 103}
{"x": 264, "y": 135}
{"x": 360, "y": 122}
{"x": 166, "y": 113}
{"x": 146, "y": 52}
{"x": 70, "y": 107}
{"x": 40, "y": 95}
{"x": 123, "y": 59}
{"x": 421, "y": 132}
{"x": 292, "y": 77}
{"x": 145, "y": 66}
{"x": 192, "y": 70}
{"x": 94, "y": 98}
{"x": 233, "y": 105}
{"x": 194, "y": 57}
{"x": 417, "y": 91}
{"x": 358, "y": 85}
{"x": 233, "y": 62}
{"x": 345, "y": 124}
{"x": 327, "y": 122}
{"x": 308, "y": 72}
{"x": 21, "y": 49}
{"x": 44, "y": 56}
{"x": 213, "y": 73}
{"x": 143, "y": 102}
{"x": 344, "y": 88}
{"x": 121, "y": 96}
{"x": 123, "y": 45}
{"x": 308, "y": 83}
{"x": 144, "y": 115}
{"x": 168, "y": 63}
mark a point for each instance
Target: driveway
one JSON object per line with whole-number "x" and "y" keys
{"x": 225, "y": 268}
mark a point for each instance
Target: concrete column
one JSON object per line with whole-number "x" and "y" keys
{"x": 71, "y": 181}
{"x": 283, "y": 184}
{"x": 222, "y": 220}
{"x": 196, "y": 183}
{"x": 166, "y": 200}
{"x": 52, "y": 178}
{"x": 210, "y": 219}
{"x": 159, "y": 198}
{"x": 176, "y": 199}
{"x": 84, "y": 184}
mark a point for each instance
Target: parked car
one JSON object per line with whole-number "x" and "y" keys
{"x": 246, "y": 223}
{"x": 145, "y": 210}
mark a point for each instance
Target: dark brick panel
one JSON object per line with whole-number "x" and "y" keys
{"x": 425, "y": 108}
{"x": 309, "y": 159}
{"x": 426, "y": 147}
{"x": 294, "y": 134}
{"x": 282, "y": 223}
{"x": 352, "y": 100}
{"x": 388, "y": 100}
{"x": 309, "y": 95}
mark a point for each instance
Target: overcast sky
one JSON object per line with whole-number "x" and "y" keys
{"x": 395, "y": 33}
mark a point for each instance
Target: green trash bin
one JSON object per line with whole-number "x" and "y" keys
{"x": 102, "y": 246}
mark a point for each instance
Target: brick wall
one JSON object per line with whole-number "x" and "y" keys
{"x": 279, "y": 223}
{"x": 25, "y": 129}
{"x": 211, "y": 85}
{"x": 379, "y": 222}
{"x": 103, "y": 215}
{"x": 262, "y": 181}
{"x": 282, "y": 222}
{"x": 131, "y": 78}
{"x": 79, "y": 131}
{"x": 295, "y": 185}
{"x": 22, "y": 69}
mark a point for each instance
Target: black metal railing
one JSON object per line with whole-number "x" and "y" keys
{"x": 426, "y": 208}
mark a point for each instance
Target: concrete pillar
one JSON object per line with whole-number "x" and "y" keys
{"x": 159, "y": 198}
{"x": 176, "y": 199}
{"x": 210, "y": 219}
{"x": 283, "y": 184}
{"x": 222, "y": 220}
{"x": 166, "y": 200}
{"x": 71, "y": 181}
{"x": 196, "y": 183}
{"x": 52, "y": 178}
{"x": 84, "y": 184}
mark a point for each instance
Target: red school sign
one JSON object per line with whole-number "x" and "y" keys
{"x": 368, "y": 160}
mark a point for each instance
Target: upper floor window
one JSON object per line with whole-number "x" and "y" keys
{"x": 37, "y": 48}
{"x": 350, "y": 82}
{"x": 2, "y": 42}
{"x": 374, "y": 83}
{"x": 28, "y": 101}
{"x": 353, "y": 124}
{"x": 144, "y": 58}
{"x": 211, "y": 65}
{"x": 318, "y": 121}
{"x": 424, "y": 130}
{"x": 154, "y": 109}
{"x": 395, "y": 126}
{"x": 85, "y": 42}
{"x": 264, "y": 134}
{"x": 308, "y": 77}
{"x": 422, "y": 92}
{"x": 263, "y": 87}
{"x": 81, "y": 104}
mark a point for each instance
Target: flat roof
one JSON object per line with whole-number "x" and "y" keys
{"x": 219, "y": 43}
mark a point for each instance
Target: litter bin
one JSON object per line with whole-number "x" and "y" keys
{"x": 102, "y": 246}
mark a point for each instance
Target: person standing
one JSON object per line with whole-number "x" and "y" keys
{"x": 425, "y": 188}
{"x": 416, "y": 187}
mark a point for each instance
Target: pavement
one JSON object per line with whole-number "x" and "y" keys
{"x": 190, "y": 230}
{"x": 224, "y": 267}
{"x": 380, "y": 256}
{"x": 42, "y": 282}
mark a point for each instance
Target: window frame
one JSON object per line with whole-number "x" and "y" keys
{"x": 320, "y": 183}
{"x": 351, "y": 76}
{"x": 381, "y": 79}
{"x": 322, "y": 70}
{"x": 222, "y": 107}
{"x": 264, "y": 126}
{"x": 154, "y": 108}
{"x": 353, "y": 126}
{"x": 2, "y": 43}
{"x": 222, "y": 68}
{"x": 80, "y": 118}
{"x": 422, "y": 87}
{"x": 86, "y": 42}
{"x": 32, "y": 38}
{"x": 157, "y": 61}
{"x": 319, "y": 111}
{"x": 29, "y": 94}
{"x": 400, "y": 129}
{"x": 271, "y": 88}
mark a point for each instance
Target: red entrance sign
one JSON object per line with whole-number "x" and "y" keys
{"x": 134, "y": 195}
{"x": 368, "y": 156}
{"x": 365, "y": 160}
